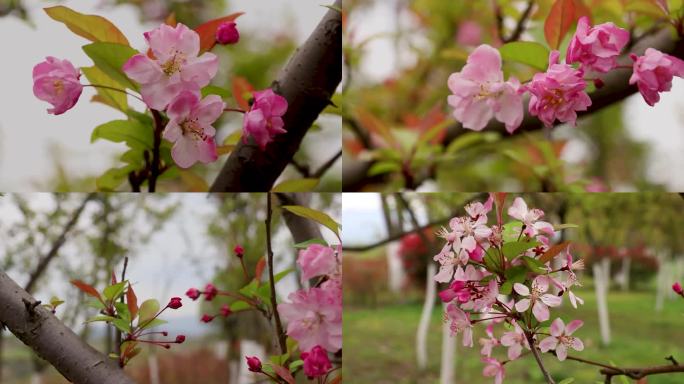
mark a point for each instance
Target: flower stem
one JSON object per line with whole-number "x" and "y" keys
{"x": 155, "y": 167}
{"x": 114, "y": 89}
{"x": 271, "y": 278}
{"x": 537, "y": 356}
{"x": 234, "y": 110}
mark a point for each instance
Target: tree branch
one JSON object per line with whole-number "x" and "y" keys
{"x": 520, "y": 27}
{"x": 537, "y": 357}
{"x": 308, "y": 81}
{"x": 610, "y": 371}
{"x": 271, "y": 278}
{"x": 40, "y": 330}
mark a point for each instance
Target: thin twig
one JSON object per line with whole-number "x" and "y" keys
{"x": 118, "y": 332}
{"x": 537, "y": 356}
{"x": 633, "y": 373}
{"x": 114, "y": 89}
{"x": 155, "y": 170}
{"x": 324, "y": 168}
{"x": 520, "y": 27}
{"x": 271, "y": 278}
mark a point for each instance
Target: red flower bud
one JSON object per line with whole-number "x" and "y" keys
{"x": 164, "y": 333}
{"x": 598, "y": 83}
{"x": 180, "y": 339}
{"x": 207, "y": 318}
{"x": 227, "y": 33}
{"x": 193, "y": 293}
{"x": 210, "y": 292}
{"x": 678, "y": 288}
{"x": 175, "y": 303}
{"x": 225, "y": 310}
{"x": 239, "y": 251}
{"x": 253, "y": 363}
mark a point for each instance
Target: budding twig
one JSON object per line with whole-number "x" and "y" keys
{"x": 271, "y": 278}
{"x": 537, "y": 356}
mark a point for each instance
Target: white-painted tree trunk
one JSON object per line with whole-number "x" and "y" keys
{"x": 447, "y": 370}
{"x": 153, "y": 366}
{"x": 424, "y": 325}
{"x": 601, "y": 283}
{"x": 37, "y": 378}
{"x": 250, "y": 348}
{"x": 624, "y": 273}
{"x": 395, "y": 268}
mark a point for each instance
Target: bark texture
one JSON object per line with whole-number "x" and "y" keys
{"x": 41, "y": 331}
{"x": 308, "y": 81}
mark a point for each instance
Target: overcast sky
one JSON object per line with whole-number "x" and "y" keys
{"x": 27, "y": 131}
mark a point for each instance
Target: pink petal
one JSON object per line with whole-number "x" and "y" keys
{"x": 210, "y": 109}
{"x": 572, "y": 326}
{"x": 185, "y": 152}
{"x": 142, "y": 69}
{"x": 522, "y": 305}
{"x": 484, "y": 64}
{"x": 207, "y": 150}
{"x": 548, "y": 344}
{"x": 577, "y": 344}
{"x": 521, "y": 289}
{"x": 540, "y": 311}
{"x": 519, "y": 209}
{"x": 201, "y": 70}
{"x": 557, "y": 327}
{"x": 561, "y": 352}
{"x": 182, "y": 105}
{"x": 551, "y": 300}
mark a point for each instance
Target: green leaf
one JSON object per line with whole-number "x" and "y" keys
{"x": 114, "y": 99}
{"x": 110, "y": 58}
{"x": 296, "y": 364}
{"x": 148, "y": 309}
{"x": 534, "y": 265}
{"x": 297, "y": 185}
{"x": 132, "y": 132}
{"x": 122, "y": 311}
{"x": 215, "y": 90}
{"x": 569, "y": 380}
{"x": 470, "y": 139}
{"x": 97, "y": 304}
{"x": 101, "y": 318}
{"x": 516, "y": 274}
{"x": 92, "y": 27}
{"x": 491, "y": 262}
{"x": 305, "y": 244}
{"x": 239, "y": 305}
{"x": 511, "y": 231}
{"x": 506, "y": 288}
{"x": 122, "y": 324}
{"x": 526, "y": 52}
{"x": 153, "y": 323}
{"x": 112, "y": 179}
{"x": 382, "y": 167}
{"x": 115, "y": 291}
{"x": 56, "y": 301}
{"x": 513, "y": 249}
{"x": 250, "y": 289}
{"x": 564, "y": 226}
{"x": 317, "y": 216}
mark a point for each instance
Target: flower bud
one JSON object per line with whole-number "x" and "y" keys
{"x": 225, "y": 310}
{"x": 598, "y": 83}
{"x": 164, "y": 333}
{"x": 175, "y": 303}
{"x": 207, "y": 318}
{"x": 180, "y": 339}
{"x": 253, "y": 363}
{"x": 210, "y": 292}
{"x": 239, "y": 251}
{"x": 227, "y": 33}
{"x": 678, "y": 288}
{"x": 193, "y": 293}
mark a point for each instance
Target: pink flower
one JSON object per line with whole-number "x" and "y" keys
{"x": 210, "y": 292}
{"x": 314, "y": 318}
{"x": 316, "y": 362}
{"x": 494, "y": 368}
{"x": 264, "y": 120}
{"x": 514, "y": 340}
{"x": 530, "y": 218}
{"x": 57, "y": 82}
{"x": 193, "y": 293}
{"x": 486, "y": 296}
{"x": 253, "y": 363}
{"x": 175, "y": 67}
{"x": 489, "y": 343}
{"x": 653, "y": 73}
{"x": 460, "y": 322}
{"x": 558, "y": 93}
{"x": 479, "y": 92}
{"x": 677, "y": 288}
{"x": 538, "y": 298}
{"x": 316, "y": 260}
{"x": 596, "y": 47}
{"x": 227, "y": 33}
{"x": 471, "y": 232}
{"x": 448, "y": 260}
{"x": 469, "y": 33}
{"x": 190, "y": 128}
{"x": 560, "y": 338}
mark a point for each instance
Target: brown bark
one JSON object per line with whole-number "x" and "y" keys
{"x": 308, "y": 82}
{"x": 40, "y": 330}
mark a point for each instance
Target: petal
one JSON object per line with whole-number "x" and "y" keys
{"x": 541, "y": 282}
{"x": 557, "y": 327}
{"x": 172, "y": 131}
{"x": 548, "y": 344}
{"x": 468, "y": 337}
{"x": 142, "y": 69}
{"x": 207, "y": 150}
{"x": 182, "y": 105}
{"x": 551, "y": 300}
{"x": 210, "y": 109}
{"x": 540, "y": 311}
{"x": 522, "y": 305}
{"x": 475, "y": 115}
{"x": 521, "y": 289}
{"x": 519, "y": 209}
{"x": 561, "y": 352}
{"x": 201, "y": 70}
{"x": 446, "y": 273}
{"x": 577, "y": 344}
{"x": 484, "y": 64}
{"x": 514, "y": 351}
{"x": 185, "y": 153}
{"x": 572, "y": 326}
{"x": 510, "y": 111}
{"x": 469, "y": 243}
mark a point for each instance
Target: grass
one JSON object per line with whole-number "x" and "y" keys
{"x": 379, "y": 343}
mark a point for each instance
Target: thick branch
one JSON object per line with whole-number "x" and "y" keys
{"x": 537, "y": 357}
{"x": 301, "y": 229}
{"x": 633, "y": 373}
{"x": 308, "y": 82}
{"x": 47, "y": 258}
{"x": 36, "y": 327}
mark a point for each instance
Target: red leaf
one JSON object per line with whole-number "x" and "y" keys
{"x": 207, "y": 31}
{"x": 284, "y": 373}
{"x": 553, "y": 251}
{"x": 240, "y": 88}
{"x": 113, "y": 278}
{"x": 564, "y": 13}
{"x": 336, "y": 380}
{"x": 87, "y": 289}
{"x": 132, "y": 301}
{"x": 261, "y": 264}
{"x": 171, "y": 20}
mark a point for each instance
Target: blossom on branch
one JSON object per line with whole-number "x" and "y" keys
{"x": 653, "y": 73}
{"x": 57, "y": 82}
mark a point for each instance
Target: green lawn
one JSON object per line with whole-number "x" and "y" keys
{"x": 379, "y": 343}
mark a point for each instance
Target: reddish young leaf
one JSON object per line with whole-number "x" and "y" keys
{"x": 207, "y": 31}
{"x": 132, "y": 301}
{"x": 499, "y": 200}
{"x": 284, "y": 373}
{"x": 242, "y": 88}
{"x": 87, "y": 289}
{"x": 336, "y": 380}
{"x": 261, "y": 264}
{"x": 553, "y": 251}
{"x": 171, "y": 19}
{"x": 113, "y": 278}
{"x": 564, "y": 13}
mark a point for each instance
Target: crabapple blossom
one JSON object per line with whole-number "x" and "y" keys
{"x": 190, "y": 128}
{"x": 462, "y": 286}
{"x": 460, "y": 322}
{"x": 57, "y": 82}
{"x": 316, "y": 260}
{"x": 494, "y": 368}
{"x": 314, "y": 318}
{"x": 530, "y": 218}
{"x": 264, "y": 120}
{"x": 489, "y": 343}
{"x": 480, "y": 93}
{"x": 514, "y": 340}
{"x": 316, "y": 362}
{"x": 558, "y": 93}
{"x": 561, "y": 339}
{"x": 448, "y": 260}
{"x": 597, "y": 47}
{"x": 537, "y": 298}
{"x": 239, "y": 251}
{"x": 653, "y": 73}
{"x": 175, "y": 66}
{"x": 471, "y": 232}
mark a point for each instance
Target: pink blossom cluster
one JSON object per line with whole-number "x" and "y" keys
{"x": 479, "y": 92}
{"x": 314, "y": 315}
{"x": 489, "y": 283}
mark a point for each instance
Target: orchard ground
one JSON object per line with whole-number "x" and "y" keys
{"x": 380, "y": 342}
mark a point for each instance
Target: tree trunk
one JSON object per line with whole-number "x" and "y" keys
{"x": 624, "y": 272}
{"x": 424, "y": 325}
{"x": 601, "y": 279}
{"x": 40, "y": 330}
{"x": 2, "y": 346}
{"x": 447, "y": 372}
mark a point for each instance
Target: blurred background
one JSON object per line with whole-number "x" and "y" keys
{"x": 55, "y": 153}
{"x": 173, "y": 242}
{"x": 632, "y": 245}
{"x": 398, "y": 55}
